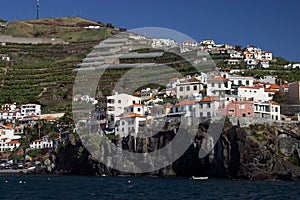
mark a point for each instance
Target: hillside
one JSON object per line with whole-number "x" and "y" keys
{"x": 44, "y": 72}
{"x": 69, "y": 29}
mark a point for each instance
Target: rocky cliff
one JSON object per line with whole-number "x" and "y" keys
{"x": 258, "y": 152}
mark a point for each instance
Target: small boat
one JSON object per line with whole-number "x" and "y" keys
{"x": 200, "y": 178}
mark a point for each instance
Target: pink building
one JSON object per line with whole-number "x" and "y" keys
{"x": 240, "y": 109}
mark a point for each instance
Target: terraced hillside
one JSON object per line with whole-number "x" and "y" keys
{"x": 44, "y": 73}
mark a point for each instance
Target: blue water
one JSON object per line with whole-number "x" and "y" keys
{"x": 89, "y": 187}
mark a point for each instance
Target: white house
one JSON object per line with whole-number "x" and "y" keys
{"x": 267, "y": 56}
{"x": 236, "y": 54}
{"x": 160, "y": 43}
{"x": 218, "y": 86}
{"x": 189, "y": 89}
{"x": 8, "y": 141}
{"x": 232, "y": 61}
{"x": 208, "y": 43}
{"x": 207, "y": 108}
{"x": 30, "y": 109}
{"x": 129, "y": 124}
{"x": 10, "y": 114}
{"x": 255, "y": 93}
{"x": 267, "y": 110}
{"x": 140, "y": 109}
{"x": 241, "y": 80}
{"x": 116, "y": 104}
{"x": 189, "y": 43}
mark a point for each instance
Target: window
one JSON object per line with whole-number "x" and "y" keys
{"x": 139, "y": 109}
{"x": 208, "y": 114}
{"x": 187, "y": 88}
{"x": 231, "y": 111}
{"x": 208, "y": 105}
{"x": 201, "y": 105}
{"x": 119, "y": 101}
{"x": 276, "y": 109}
{"x": 247, "y": 82}
{"x": 212, "y": 85}
{"x": 201, "y": 114}
{"x": 180, "y": 88}
{"x": 112, "y": 101}
{"x": 195, "y": 87}
{"x": 240, "y": 82}
{"x": 219, "y": 85}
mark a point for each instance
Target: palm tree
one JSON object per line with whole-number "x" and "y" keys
{"x": 25, "y": 141}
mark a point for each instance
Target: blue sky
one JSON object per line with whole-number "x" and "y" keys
{"x": 272, "y": 25}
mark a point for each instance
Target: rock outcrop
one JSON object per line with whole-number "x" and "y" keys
{"x": 259, "y": 152}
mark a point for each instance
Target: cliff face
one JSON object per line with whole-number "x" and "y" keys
{"x": 256, "y": 153}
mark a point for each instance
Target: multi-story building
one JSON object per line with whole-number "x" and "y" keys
{"x": 189, "y": 89}
{"x": 218, "y": 86}
{"x": 30, "y": 109}
{"x": 267, "y": 110}
{"x": 239, "y": 109}
{"x": 116, "y": 105}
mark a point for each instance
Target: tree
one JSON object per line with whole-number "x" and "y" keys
{"x": 238, "y": 48}
{"x": 280, "y": 97}
{"x": 25, "y": 144}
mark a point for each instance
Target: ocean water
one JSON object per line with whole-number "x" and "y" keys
{"x": 91, "y": 187}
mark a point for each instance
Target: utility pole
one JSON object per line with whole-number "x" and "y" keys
{"x": 37, "y": 9}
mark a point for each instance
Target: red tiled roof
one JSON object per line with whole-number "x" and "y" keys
{"x": 49, "y": 118}
{"x": 270, "y": 90}
{"x": 136, "y": 104}
{"x": 38, "y": 140}
{"x": 219, "y": 79}
{"x": 252, "y": 87}
{"x": 273, "y": 102}
{"x": 274, "y": 86}
{"x": 14, "y": 142}
{"x": 133, "y": 115}
{"x": 189, "y": 41}
{"x": 208, "y": 99}
{"x": 185, "y": 102}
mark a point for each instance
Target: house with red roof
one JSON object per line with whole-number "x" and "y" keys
{"x": 8, "y": 140}
{"x": 217, "y": 86}
{"x": 129, "y": 124}
{"x": 208, "y": 107}
{"x": 256, "y": 93}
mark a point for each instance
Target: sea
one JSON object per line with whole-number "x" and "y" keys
{"x": 19, "y": 186}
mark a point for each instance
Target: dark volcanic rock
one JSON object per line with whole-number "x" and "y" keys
{"x": 248, "y": 153}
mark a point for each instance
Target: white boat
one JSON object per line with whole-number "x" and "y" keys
{"x": 200, "y": 178}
